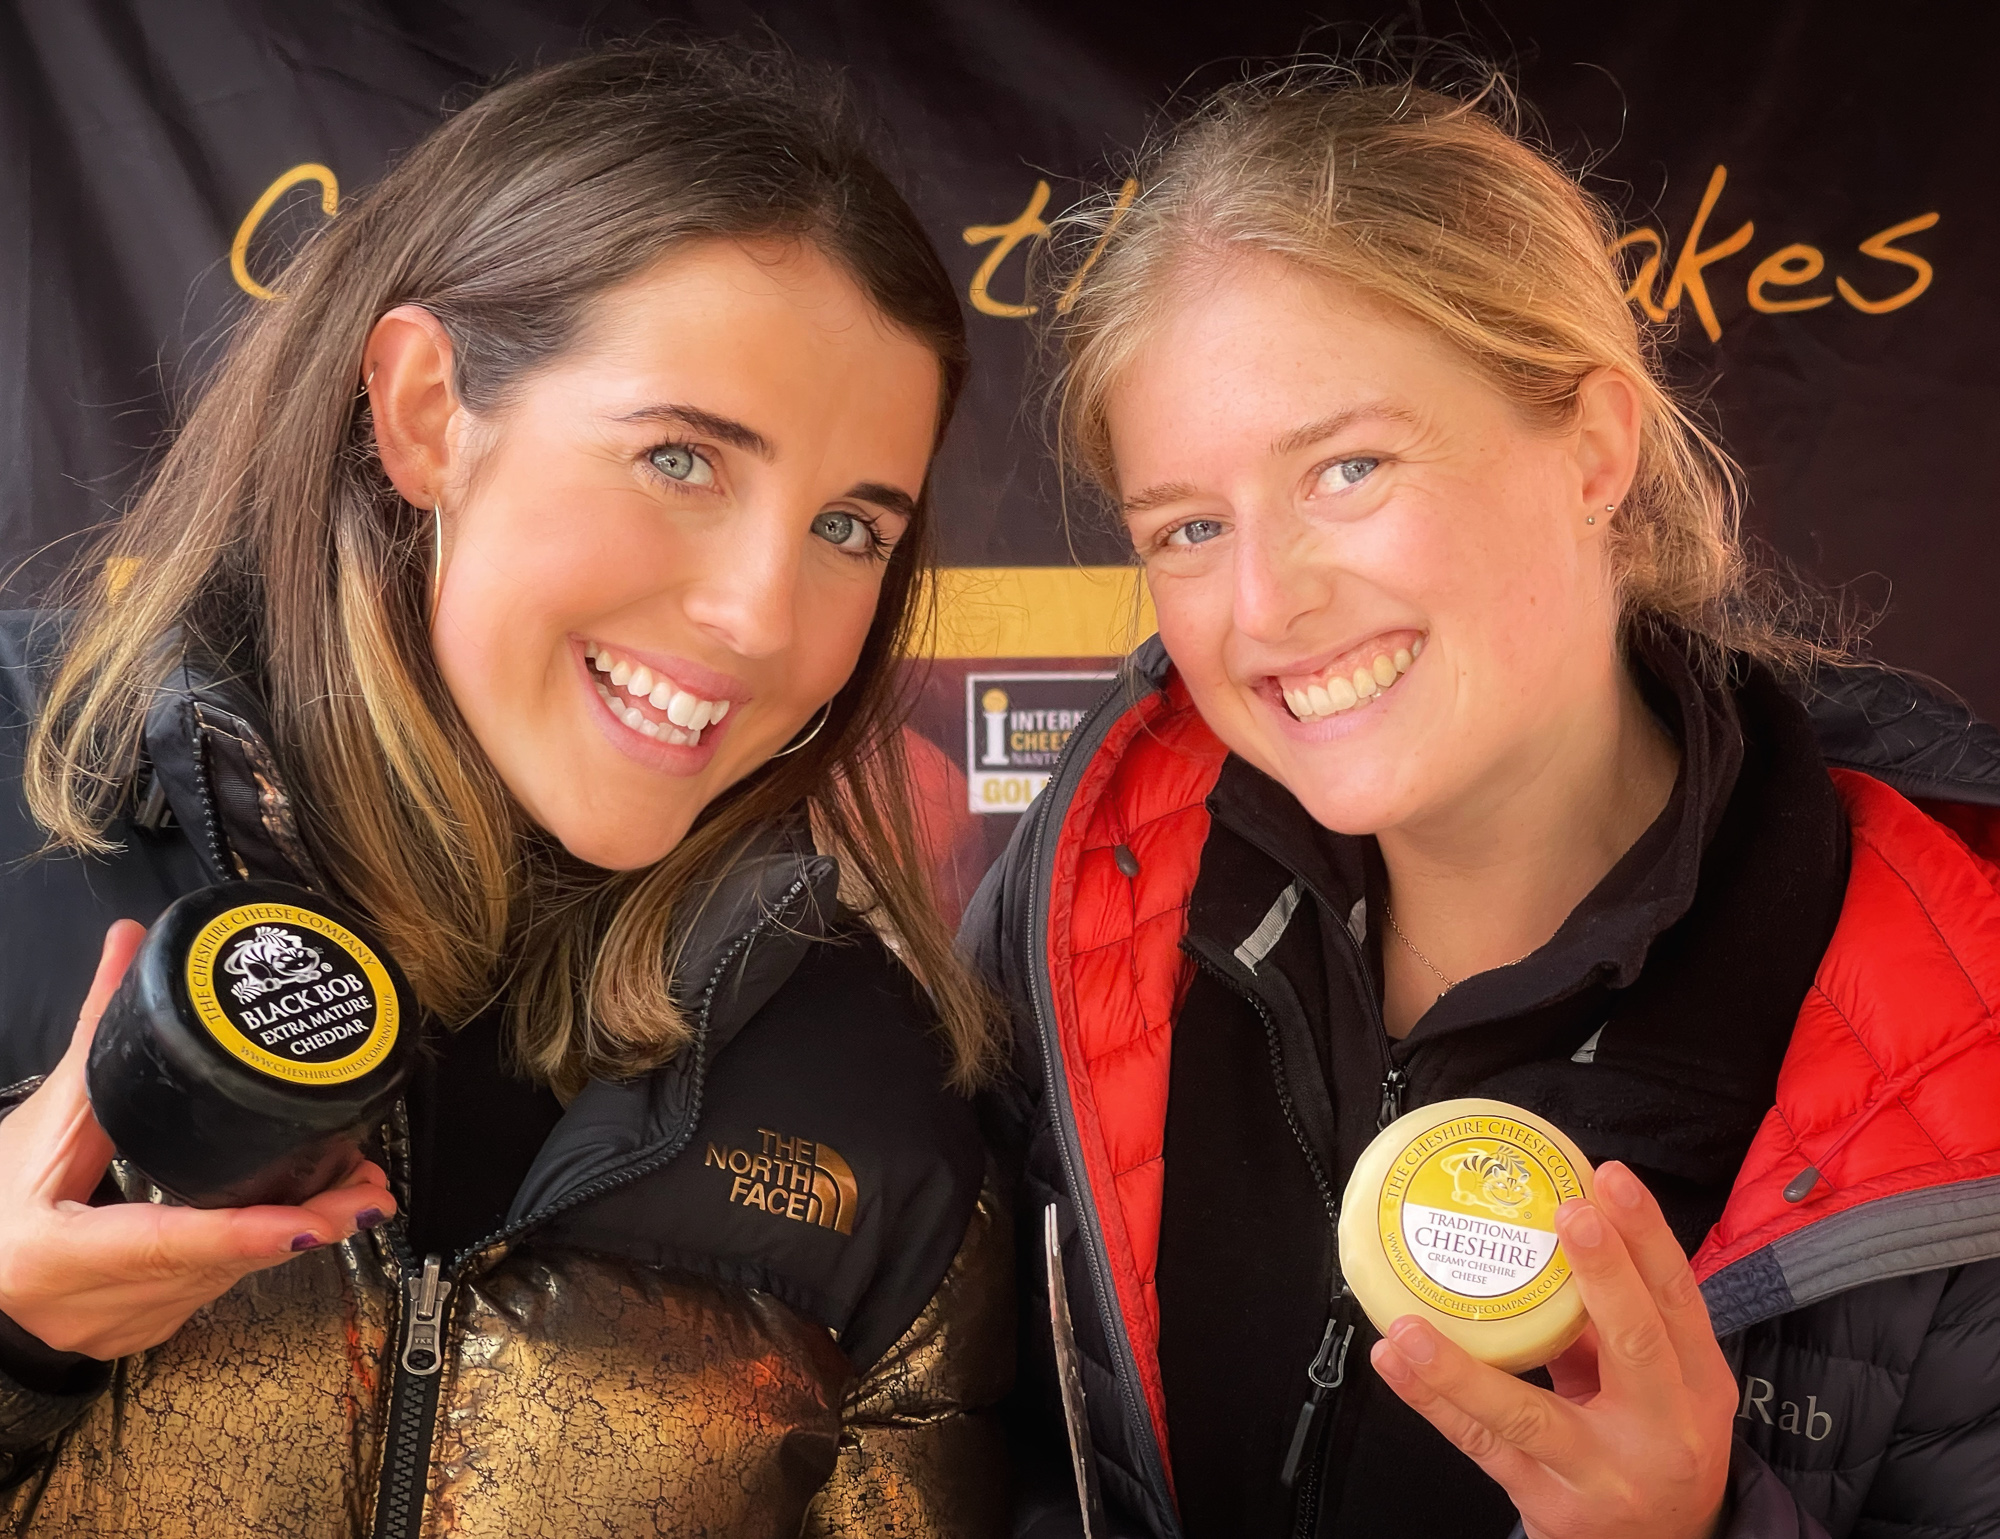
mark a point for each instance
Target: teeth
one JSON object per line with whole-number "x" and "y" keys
{"x": 1333, "y": 695}
{"x": 687, "y": 714}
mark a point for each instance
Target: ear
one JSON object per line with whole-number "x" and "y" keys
{"x": 1609, "y": 419}
{"x": 407, "y": 368}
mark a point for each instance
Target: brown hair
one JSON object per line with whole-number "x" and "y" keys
{"x": 1436, "y": 204}
{"x": 271, "y": 537}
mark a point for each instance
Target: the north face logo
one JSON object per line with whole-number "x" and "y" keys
{"x": 791, "y": 1178}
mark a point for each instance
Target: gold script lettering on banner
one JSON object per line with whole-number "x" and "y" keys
{"x": 1027, "y": 225}
{"x": 239, "y": 248}
{"x": 1788, "y": 267}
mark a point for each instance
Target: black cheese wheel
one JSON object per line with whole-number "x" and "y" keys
{"x": 256, "y": 1039}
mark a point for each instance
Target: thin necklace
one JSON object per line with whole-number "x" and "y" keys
{"x": 1438, "y": 972}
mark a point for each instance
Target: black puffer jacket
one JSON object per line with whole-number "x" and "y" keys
{"x": 757, "y": 1291}
{"x": 1864, "y": 1322}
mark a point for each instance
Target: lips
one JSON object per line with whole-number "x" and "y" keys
{"x": 649, "y": 701}
{"x": 1352, "y": 680}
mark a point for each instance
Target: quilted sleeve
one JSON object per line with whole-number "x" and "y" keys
{"x": 921, "y": 1452}
{"x": 1940, "y": 1474}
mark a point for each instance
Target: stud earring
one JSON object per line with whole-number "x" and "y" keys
{"x": 1609, "y": 507}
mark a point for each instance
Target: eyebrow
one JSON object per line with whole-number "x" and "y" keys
{"x": 1313, "y": 432}
{"x": 728, "y": 430}
{"x": 890, "y": 499}
{"x": 1298, "y": 438}
{"x": 1157, "y": 496}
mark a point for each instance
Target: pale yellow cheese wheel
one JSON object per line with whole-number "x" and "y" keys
{"x": 1450, "y": 1216}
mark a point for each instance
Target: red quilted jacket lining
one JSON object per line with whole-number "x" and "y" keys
{"x": 1896, "y": 1046}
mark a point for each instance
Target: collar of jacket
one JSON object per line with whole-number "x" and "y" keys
{"x": 209, "y": 766}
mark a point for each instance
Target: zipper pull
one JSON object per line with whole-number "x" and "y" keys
{"x": 1327, "y": 1372}
{"x": 1394, "y": 1083}
{"x": 423, "y": 1332}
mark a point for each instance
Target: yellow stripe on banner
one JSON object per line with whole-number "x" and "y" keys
{"x": 1041, "y": 611}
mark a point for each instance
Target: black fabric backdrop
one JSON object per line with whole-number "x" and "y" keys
{"x": 138, "y": 134}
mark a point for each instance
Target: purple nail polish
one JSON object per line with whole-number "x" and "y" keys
{"x": 368, "y": 1218}
{"x": 304, "y": 1241}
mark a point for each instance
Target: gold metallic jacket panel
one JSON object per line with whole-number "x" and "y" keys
{"x": 581, "y": 1395}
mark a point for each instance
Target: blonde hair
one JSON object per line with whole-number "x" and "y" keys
{"x": 1436, "y": 205}
{"x": 272, "y": 541}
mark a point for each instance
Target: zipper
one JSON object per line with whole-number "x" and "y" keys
{"x": 427, "y": 1286}
{"x": 1097, "y": 1259}
{"x": 1394, "y": 1084}
{"x": 1326, "y": 1370}
{"x": 413, "y": 1392}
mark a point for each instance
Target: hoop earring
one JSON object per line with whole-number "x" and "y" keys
{"x": 799, "y": 742}
{"x": 1609, "y": 507}
{"x": 437, "y": 554}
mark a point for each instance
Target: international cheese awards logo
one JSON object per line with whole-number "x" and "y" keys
{"x": 790, "y": 1178}
{"x": 1467, "y": 1217}
{"x": 1016, "y": 727}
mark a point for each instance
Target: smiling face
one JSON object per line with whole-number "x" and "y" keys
{"x": 663, "y": 555}
{"x": 1377, "y": 580}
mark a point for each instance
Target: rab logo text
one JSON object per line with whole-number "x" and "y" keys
{"x": 791, "y": 1178}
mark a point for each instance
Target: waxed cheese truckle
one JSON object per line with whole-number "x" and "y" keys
{"x": 254, "y": 1042}
{"x": 1450, "y": 1216}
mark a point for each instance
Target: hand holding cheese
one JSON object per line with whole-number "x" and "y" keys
{"x": 1634, "y": 1442}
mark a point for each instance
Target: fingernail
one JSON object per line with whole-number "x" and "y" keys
{"x": 1623, "y": 1186}
{"x": 368, "y": 1218}
{"x": 304, "y": 1242}
{"x": 1389, "y": 1362}
{"x": 1415, "y": 1343}
{"x": 1585, "y": 1228}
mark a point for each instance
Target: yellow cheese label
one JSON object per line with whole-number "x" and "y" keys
{"x": 1467, "y": 1217}
{"x": 292, "y": 994}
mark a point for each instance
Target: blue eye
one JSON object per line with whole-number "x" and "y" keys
{"x": 1196, "y": 531}
{"x": 847, "y": 531}
{"x": 680, "y": 462}
{"x": 1342, "y": 474}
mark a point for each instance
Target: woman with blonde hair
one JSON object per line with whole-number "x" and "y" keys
{"x": 530, "y": 580}
{"x": 1468, "y": 763}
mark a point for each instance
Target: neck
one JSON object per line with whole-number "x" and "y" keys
{"x": 1488, "y": 880}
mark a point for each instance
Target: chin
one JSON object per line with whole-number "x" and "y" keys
{"x": 1354, "y": 804}
{"x": 618, "y": 848}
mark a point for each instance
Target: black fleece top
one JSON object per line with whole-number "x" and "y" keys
{"x": 1651, "y": 1027}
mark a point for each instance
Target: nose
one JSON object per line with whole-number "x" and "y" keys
{"x": 745, "y": 594}
{"x": 1280, "y": 578}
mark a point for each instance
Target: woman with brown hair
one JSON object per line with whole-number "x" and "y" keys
{"x": 531, "y": 579}
{"x": 1467, "y": 762}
